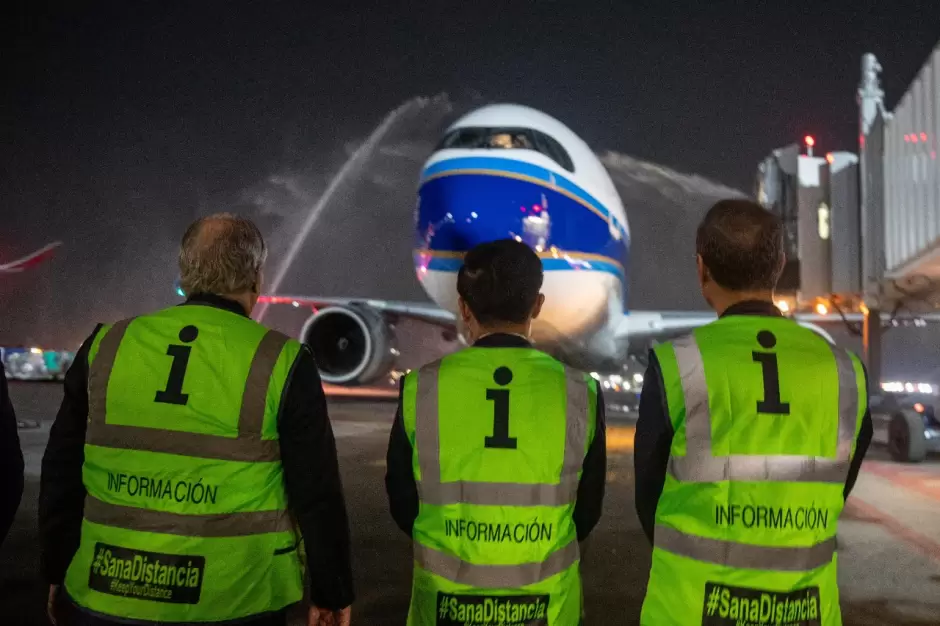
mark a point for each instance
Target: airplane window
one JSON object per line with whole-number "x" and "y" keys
{"x": 554, "y": 149}
{"x": 507, "y": 139}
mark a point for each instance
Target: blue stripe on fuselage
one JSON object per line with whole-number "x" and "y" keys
{"x": 501, "y": 166}
{"x": 460, "y": 207}
{"x": 452, "y": 264}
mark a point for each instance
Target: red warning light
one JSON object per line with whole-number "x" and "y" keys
{"x": 923, "y": 137}
{"x": 810, "y": 141}
{"x": 907, "y": 139}
{"x": 914, "y": 137}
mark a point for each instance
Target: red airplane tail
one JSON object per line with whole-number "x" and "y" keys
{"x": 31, "y": 260}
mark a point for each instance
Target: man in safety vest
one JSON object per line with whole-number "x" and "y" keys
{"x": 496, "y": 460}
{"x": 190, "y": 446}
{"x": 750, "y": 436}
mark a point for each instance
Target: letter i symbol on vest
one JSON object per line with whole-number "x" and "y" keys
{"x": 173, "y": 394}
{"x": 500, "y": 398}
{"x": 771, "y": 374}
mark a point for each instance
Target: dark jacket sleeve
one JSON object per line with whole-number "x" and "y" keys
{"x": 313, "y": 485}
{"x": 61, "y": 490}
{"x": 590, "y": 503}
{"x": 651, "y": 446}
{"x": 865, "y": 434}
{"x": 400, "y": 486}
{"x": 11, "y": 461}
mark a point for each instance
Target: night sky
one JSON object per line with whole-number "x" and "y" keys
{"x": 124, "y": 121}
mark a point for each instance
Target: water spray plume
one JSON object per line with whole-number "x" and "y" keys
{"x": 353, "y": 165}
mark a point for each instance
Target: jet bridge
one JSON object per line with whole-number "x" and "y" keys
{"x": 899, "y": 176}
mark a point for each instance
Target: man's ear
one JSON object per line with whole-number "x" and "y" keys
{"x": 463, "y": 309}
{"x": 537, "y": 309}
{"x": 703, "y": 276}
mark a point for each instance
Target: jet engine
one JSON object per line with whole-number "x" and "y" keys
{"x": 351, "y": 344}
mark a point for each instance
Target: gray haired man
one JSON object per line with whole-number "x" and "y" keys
{"x": 193, "y": 442}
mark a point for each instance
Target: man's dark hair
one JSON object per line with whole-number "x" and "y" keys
{"x": 741, "y": 245}
{"x": 500, "y": 281}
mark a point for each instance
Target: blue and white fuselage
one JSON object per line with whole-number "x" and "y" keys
{"x": 509, "y": 171}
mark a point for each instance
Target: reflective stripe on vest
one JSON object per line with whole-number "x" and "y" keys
{"x": 218, "y": 525}
{"x": 495, "y": 576}
{"x": 246, "y": 447}
{"x": 435, "y": 492}
{"x": 743, "y": 555}
{"x": 701, "y": 465}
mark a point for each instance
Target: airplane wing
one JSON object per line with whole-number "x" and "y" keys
{"x": 418, "y": 310}
{"x": 649, "y": 324}
{"x": 31, "y": 260}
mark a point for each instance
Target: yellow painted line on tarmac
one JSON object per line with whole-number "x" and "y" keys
{"x": 620, "y": 438}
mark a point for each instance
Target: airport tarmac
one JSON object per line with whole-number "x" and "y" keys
{"x": 889, "y": 536}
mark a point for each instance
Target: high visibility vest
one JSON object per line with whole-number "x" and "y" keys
{"x": 766, "y": 414}
{"x": 499, "y": 438}
{"x": 186, "y": 517}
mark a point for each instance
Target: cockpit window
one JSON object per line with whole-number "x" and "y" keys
{"x": 507, "y": 139}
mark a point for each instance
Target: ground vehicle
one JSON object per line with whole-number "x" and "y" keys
{"x": 911, "y": 424}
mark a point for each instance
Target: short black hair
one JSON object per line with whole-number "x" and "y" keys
{"x": 500, "y": 281}
{"x": 741, "y": 245}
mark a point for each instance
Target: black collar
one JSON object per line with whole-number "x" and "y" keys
{"x": 217, "y": 302}
{"x": 753, "y": 307}
{"x": 502, "y": 340}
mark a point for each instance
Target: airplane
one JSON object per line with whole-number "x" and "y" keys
{"x": 31, "y": 260}
{"x": 506, "y": 170}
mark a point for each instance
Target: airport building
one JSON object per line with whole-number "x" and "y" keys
{"x": 817, "y": 199}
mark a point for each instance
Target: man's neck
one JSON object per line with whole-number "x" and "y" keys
{"x": 244, "y": 299}
{"x": 520, "y": 330}
{"x": 728, "y": 299}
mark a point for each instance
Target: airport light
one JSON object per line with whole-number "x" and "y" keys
{"x": 822, "y": 309}
{"x": 895, "y": 386}
{"x": 830, "y": 158}
{"x": 918, "y": 407}
{"x": 783, "y": 306}
{"x": 810, "y": 142}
